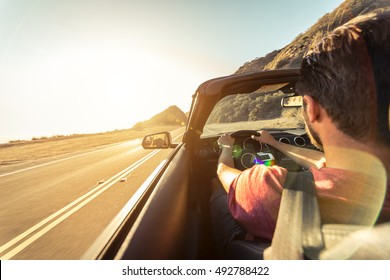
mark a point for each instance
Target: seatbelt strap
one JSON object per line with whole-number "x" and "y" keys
{"x": 312, "y": 239}
{"x": 298, "y": 227}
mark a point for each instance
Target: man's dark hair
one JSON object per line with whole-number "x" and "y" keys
{"x": 348, "y": 73}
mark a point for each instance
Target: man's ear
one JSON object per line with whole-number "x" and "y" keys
{"x": 312, "y": 108}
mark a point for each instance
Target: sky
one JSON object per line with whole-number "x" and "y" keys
{"x": 85, "y": 66}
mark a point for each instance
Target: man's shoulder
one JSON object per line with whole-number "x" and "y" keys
{"x": 341, "y": 181}
{"x": 328, "y": 173}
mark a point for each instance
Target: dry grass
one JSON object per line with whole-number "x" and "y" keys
{"x": 23, "y": 151}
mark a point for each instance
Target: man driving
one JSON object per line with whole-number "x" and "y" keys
{"x": 345, "y": 88}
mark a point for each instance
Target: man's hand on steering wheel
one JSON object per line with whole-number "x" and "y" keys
{"x": 225, "y": 141}
{"x": 265, "y": 137}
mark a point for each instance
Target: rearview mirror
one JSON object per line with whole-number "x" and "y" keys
{"x": 161, "y": 140}
{"x": 292, "y": 101}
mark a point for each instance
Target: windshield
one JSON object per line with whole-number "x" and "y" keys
{"x": 254, "y": 111}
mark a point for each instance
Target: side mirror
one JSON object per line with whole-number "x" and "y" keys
{"x": 292, "y": 101}
{"x": 161, "y": 140}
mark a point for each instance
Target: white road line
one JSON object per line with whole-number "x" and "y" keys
{"x": 93, "y": 193}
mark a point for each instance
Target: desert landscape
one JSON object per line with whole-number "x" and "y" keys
{"x": 19, "y": 152}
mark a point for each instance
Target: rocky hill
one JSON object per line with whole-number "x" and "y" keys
{"x": 291, "y": 55}
{"x": 171, "y": 116}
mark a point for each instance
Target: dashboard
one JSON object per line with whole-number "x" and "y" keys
{"x": 248, "y": 152}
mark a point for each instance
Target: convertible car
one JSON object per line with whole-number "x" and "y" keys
{"x": 169, "y": 216}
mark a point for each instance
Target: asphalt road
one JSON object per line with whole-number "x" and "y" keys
{"x": 55, "y": 210}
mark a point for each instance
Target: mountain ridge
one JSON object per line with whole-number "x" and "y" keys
{"x": 291, "y": 55}
{"x": 173, "y": 115}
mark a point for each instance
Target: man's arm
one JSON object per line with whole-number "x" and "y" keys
{"x": 304, "y": 157}
{"x": 226, "y": 171}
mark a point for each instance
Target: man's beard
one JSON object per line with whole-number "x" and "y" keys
{"x": 314, "y": 137}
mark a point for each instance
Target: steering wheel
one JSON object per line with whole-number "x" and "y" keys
{"x": 245, "y": 133}
{"x": 247, "y": 157}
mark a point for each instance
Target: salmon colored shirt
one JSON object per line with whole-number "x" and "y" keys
{"x": 344, "y": 197}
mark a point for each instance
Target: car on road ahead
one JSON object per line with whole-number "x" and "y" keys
{"x": 169, "y": 217}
